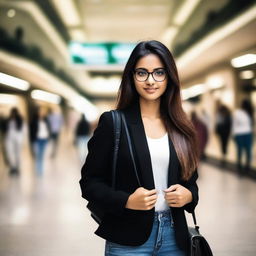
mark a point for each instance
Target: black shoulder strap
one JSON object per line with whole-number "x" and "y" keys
{"x": 194, "y": 220}
{"x": 130, "y": 147}
{"x": 117, "y": 132}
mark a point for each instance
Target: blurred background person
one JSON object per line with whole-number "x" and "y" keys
{"x": 202, "y": 133}
{"x": 13, "y": 140}
{"x": 81, "y": 137}
{"x": 2, "y": 136}
{"x": 39, "y": 135}
{"x": 223, "y": 128}
{"x": 242, "y": 128}
{"x": 55, "y": 122}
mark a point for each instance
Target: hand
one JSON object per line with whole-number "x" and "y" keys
{"x": 177, "y": 195}
{"x": 142, "y": 199}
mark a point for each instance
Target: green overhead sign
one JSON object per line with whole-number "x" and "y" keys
{"x": 100, "y": 53}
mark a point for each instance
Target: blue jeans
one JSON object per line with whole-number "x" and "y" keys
{"x": 40, "y": 146}
{"x": 244, "y": 144}
{"x": 161, "y": 241}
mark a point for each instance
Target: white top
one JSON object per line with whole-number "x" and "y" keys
{"x": 42, "y": 132}
{"x": 13, "y": 133}
{"x": 56, "y": 121}
{"x": 241, "y": 123}
{"x": 160, "y": 153}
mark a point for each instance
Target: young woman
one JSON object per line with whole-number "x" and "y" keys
{"x": 39, "y": 135}
{"x": 15, "y": 133}
{"x": 148, "y": 219}
{"x": 242, "y": 127}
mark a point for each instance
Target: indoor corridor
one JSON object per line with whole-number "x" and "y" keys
{"x": 47, "y": 216}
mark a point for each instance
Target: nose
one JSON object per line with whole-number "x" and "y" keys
{"x": 150, "y": 80}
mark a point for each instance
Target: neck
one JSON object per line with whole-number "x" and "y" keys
{"x": 150, "y": 109}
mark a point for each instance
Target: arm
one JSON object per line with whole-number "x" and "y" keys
{"x": 96, "y": 172}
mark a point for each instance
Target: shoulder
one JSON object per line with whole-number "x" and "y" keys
{"x": 105, "y": 121}
{"x": 105, "y": 118}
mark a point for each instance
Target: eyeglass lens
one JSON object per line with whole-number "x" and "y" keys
{"x": 142, "y": 75}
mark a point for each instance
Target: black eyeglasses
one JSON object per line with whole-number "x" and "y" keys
{"x": 142, "y": 75}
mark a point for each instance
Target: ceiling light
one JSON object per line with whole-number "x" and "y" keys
{"x": 243, "y": 60}
{"x": 11, "y": 13}
{"x": 46, "y": 96}
{"x": 14, "y": 82}
{"x": 246, "y": 74}
{"x": 68, "y": 12}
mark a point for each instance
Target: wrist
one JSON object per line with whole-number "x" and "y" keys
{"x": 190, "y": 197}
{"x": 127, "y": 205}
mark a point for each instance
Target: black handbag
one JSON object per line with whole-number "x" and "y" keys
{"x": 198, "y": 244}
{"x": 118, "y": 117}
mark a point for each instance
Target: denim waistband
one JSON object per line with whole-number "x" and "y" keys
{"x": 163, "y": 214}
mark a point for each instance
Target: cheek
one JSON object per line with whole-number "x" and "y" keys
{"x": 138, "y": 86}
{"x": 163, "y": 87}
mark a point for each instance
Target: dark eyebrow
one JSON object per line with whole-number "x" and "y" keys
{"x": 147, "y": 70}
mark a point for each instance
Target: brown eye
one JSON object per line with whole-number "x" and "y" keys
{"x": 159, "y": 73}
{"x": 141, "y": 73}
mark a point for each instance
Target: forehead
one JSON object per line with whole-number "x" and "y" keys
{"x": 149, "y": 62}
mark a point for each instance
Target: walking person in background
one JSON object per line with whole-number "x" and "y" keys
{"x": 2, "y": 136}
{"x": 223, "y": 128}
{"x": 147, "y": 217}
{"x": 55, "y": 122}
{"x": 202, "y": 133}
{"x": 242, "y": 128}
{"x": 39, "y": 134}
{"x": 82, "y": 136}
{"x": 14, "y": 137}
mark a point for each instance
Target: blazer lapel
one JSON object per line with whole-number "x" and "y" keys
{"x": 173, "y": 165}
{"x": 139, "y": 140}
{"x": 142, "y": 154}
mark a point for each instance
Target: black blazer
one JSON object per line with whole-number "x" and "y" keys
{"x": 121, "y": 225}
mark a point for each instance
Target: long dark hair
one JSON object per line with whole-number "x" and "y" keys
{"x": 17, "y": 118}
{"x": 178, "y": 125}
{"x": 247, "y": 106}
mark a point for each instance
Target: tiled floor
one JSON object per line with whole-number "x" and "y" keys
{"x": 47, "y": 217}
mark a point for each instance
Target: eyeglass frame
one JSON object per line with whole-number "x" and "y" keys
{"x": 149, "y": 73}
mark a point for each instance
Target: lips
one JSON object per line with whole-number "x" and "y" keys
{"x": 150, "y": 90}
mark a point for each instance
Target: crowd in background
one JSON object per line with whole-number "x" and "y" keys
{"x": 44, "y": 128}
{"x": 46, "y": 125}
{"x": 238, "y": 125}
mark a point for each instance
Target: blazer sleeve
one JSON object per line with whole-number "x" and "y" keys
{"x": 96, "y": 171}
{"x": 191, "y": 185}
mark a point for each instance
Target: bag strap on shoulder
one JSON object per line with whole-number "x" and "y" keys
{"x": 130, "y": 147}
{"x": 117, "y": 132}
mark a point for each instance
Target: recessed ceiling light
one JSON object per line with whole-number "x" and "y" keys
{"x": 243, "y": 60}
{"x": 14, "y": 82}
{"x": 246, "y": 74}
{"x": 45, "y": 96}
{"x": 11, "y": 13}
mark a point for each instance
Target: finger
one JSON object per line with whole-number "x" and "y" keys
{"x": 171, "y": 188}
{"x": 171, "y": 201}
{"x": 170, "y": 196}
{"x": 151, "y": 204}
{"x": 151, "y": 192}
{"x": 150, "y": 198}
